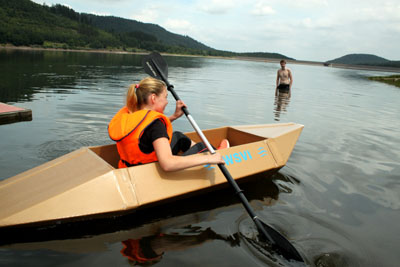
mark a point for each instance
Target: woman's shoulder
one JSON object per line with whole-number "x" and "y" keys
{"x": 155, "y": 130}
{"x": 158, "y": 125}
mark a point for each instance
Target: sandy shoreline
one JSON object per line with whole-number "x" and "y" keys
{"x": 267, "y": 60}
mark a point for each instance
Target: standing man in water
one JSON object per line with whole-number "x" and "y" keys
{"x": 284, "y": 80}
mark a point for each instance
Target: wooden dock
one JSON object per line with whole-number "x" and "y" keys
{"x": 11, "y": 114}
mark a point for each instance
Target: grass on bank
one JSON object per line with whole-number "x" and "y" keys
{"x": 393, "y": 79}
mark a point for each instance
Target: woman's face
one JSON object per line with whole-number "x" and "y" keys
{"x": 161, "y": 101}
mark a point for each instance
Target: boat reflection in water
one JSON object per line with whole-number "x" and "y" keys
{"x": 150, "y": 249}
{"x": 281, "y": 103}
{"x": 181, "y": 232}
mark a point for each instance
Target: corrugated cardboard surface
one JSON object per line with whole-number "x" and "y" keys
{"x": 63, "y": 187}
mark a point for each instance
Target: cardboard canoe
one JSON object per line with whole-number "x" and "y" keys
{"x": 86, "y": 183}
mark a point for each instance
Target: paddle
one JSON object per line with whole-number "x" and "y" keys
{"x": 156, "y": 67}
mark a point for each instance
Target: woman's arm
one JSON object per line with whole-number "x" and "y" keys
{"x": 170, "y": 162}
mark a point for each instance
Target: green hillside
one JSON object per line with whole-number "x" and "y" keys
{"x": 365, "y": 59}
{"x": 25, "y": 23}
{"x": 359, "y": 59}
{"x": 124, "y": 26}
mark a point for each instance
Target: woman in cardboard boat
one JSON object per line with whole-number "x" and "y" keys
{"x": 144, "y": 134}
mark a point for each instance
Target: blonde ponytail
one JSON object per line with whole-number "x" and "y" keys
{"x": 137, "y": 94}
{"x": 131, "y": 98}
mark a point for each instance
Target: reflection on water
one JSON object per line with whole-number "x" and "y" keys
{"x": 28, "y": 72}
{"x": 149, "y": 250}
{"x": 281, "y": 104}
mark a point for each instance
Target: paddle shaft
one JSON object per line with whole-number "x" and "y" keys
{"x": 221, "y": 166}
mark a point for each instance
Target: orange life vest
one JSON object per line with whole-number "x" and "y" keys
{"x": 127, "y": 128}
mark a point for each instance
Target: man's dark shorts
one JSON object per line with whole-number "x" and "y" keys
{"x": 283, "y": 88}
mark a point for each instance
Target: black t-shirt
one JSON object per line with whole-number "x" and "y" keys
{"x": 154, "y": 131}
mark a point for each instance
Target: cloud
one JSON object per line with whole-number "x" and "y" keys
{"x": 262, "y": 8}
{"x": 147, "y": 15}
{"x": 178, "y": 26}
{"x": 326, "y": 23}
{"x": 385, "y": 11}
{"x": 305, "y": 3}
{"x": 100, "y": 13}
{"x": 216, "y": 7}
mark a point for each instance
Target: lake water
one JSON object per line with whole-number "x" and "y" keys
{"x": 337, "y": 199}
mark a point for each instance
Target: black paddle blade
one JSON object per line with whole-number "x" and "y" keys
{"x": 155, "y": 66}
{"x": 281, "y": 245}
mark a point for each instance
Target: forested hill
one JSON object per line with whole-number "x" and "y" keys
{"x": 25, "y": 23}
{"x": 124, "y": 26}
{"x": 365, "y": 59}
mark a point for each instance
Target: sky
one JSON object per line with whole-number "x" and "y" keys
{"x": 314, "y": 30}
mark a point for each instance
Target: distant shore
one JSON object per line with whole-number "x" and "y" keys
{"x": 267, "y": 60}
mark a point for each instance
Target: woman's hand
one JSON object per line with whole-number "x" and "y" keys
{"x": 178, "y": 110}
{"x": 215, "y": 159}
